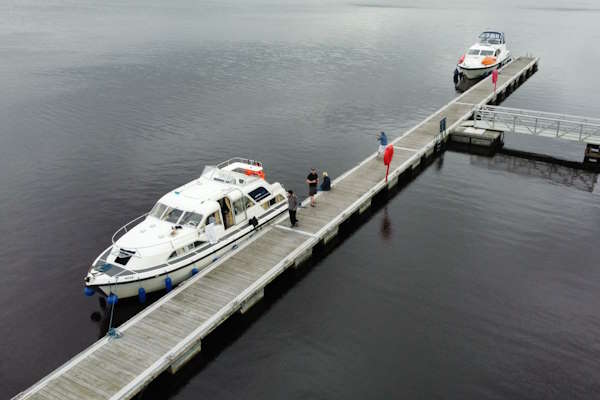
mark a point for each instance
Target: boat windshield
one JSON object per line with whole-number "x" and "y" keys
{"x": 165, "y": 213}
{"x": 473, "y": 52}
{"x": 487, "y": 52}
{"x": 491, "y": 37}
{"x": 172, "y": 215}
{"x": 191, "y": 219}
{"x": 158, "y": 210}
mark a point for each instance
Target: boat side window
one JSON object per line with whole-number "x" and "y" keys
{"x": 259, "y": 193}
{"x": 238, "y": 206}
{"x": 497, "y": 53}
{"x": 473, "y": 52}
{"x": 277, "y": 199}
{"x": 249, "y": 203}
{"x": 186, "y": 249}
{"x": 191, "y": 219}
{"x": 158, "y": 210}
{"x": 172, "y": 215}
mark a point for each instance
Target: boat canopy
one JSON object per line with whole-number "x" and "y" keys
{"x": 491, "y": 37}
{"x": 225, "y": 176}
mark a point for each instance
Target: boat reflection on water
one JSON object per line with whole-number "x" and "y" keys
{"x": 464, "y": 84}
{"x": 583, "y": 180}
{"x": 124, "y": 309}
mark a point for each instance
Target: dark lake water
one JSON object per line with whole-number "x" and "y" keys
{"x": 479, "y": 280}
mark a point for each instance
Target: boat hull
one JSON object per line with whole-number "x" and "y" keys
{"x": 180, "y": 274}
{"x": 474, "y": 73}
{"x": 158, "y": 283}
{"x": 480, "y": 72}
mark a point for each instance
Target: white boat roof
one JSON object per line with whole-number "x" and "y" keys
{"x": 196, "y": 197}
{"x": 200, "y": 195}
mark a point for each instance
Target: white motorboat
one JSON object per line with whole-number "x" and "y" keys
{"x": 488, "y": 54}
{"x": 188, "y": 229}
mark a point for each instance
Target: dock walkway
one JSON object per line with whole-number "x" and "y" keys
{"x": 165, "y": 335}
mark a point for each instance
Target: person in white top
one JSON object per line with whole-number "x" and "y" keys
{"x": 210, "y": 230}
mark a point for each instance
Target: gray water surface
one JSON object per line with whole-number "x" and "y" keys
{"x": 476, "y": 281}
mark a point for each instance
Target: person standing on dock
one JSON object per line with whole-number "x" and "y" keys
{"x": 313, "y": 180}
{"x": 383, "y": 141}
{"x": 292, "y": 207}
{"x": 326, "y": 185}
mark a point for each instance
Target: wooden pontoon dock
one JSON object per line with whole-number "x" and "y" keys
{"x": 168, "y": 333}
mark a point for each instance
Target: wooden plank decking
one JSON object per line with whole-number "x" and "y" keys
{"x": 169, "y": 332}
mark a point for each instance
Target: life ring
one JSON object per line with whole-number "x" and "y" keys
{"x": 489, "y": 60}
{"x": 260, "y": 173}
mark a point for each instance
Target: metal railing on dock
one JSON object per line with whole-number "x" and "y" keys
{"x": 538, "y": 123}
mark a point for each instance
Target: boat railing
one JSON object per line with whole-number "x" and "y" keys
{"x": 128, "y": 226}
{"x": 125, "y": 228}
{"x": 239, "y": 160}
{"x": 546, "y": 114}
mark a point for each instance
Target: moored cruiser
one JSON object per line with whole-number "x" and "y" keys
{"x": 488, "y": 54}
{"x": 188, "y": 229}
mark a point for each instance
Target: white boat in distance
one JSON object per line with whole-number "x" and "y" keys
{"x": 188, "y": 229}
{"x": 488, "y": 54}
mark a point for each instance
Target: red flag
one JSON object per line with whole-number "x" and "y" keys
{"x": 495, "y": 79}
{"x": 387, "y": 159}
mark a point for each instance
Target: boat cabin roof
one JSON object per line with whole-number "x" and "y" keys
{"x": 200, "y": 195}
{"x": 189, "y": 196}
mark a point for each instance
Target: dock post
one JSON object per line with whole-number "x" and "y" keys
{"x": 252, "y": 300}
{"x": 364, "y": 206}
{"x": 591, "y": 156}
{"x": 328, "y": 237}
{"x": 302, "y": 257}
{"x": 187, "y": 356}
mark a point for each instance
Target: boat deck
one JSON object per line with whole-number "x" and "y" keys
{"x": 168, "y": 333}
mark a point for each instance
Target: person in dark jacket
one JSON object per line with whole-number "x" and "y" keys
{"x": 326, "y": 185}
{"x": 292, "y": 207}
{"x": 313, "y": 181}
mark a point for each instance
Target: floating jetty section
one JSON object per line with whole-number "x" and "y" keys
{"x": 167, "y": 334}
